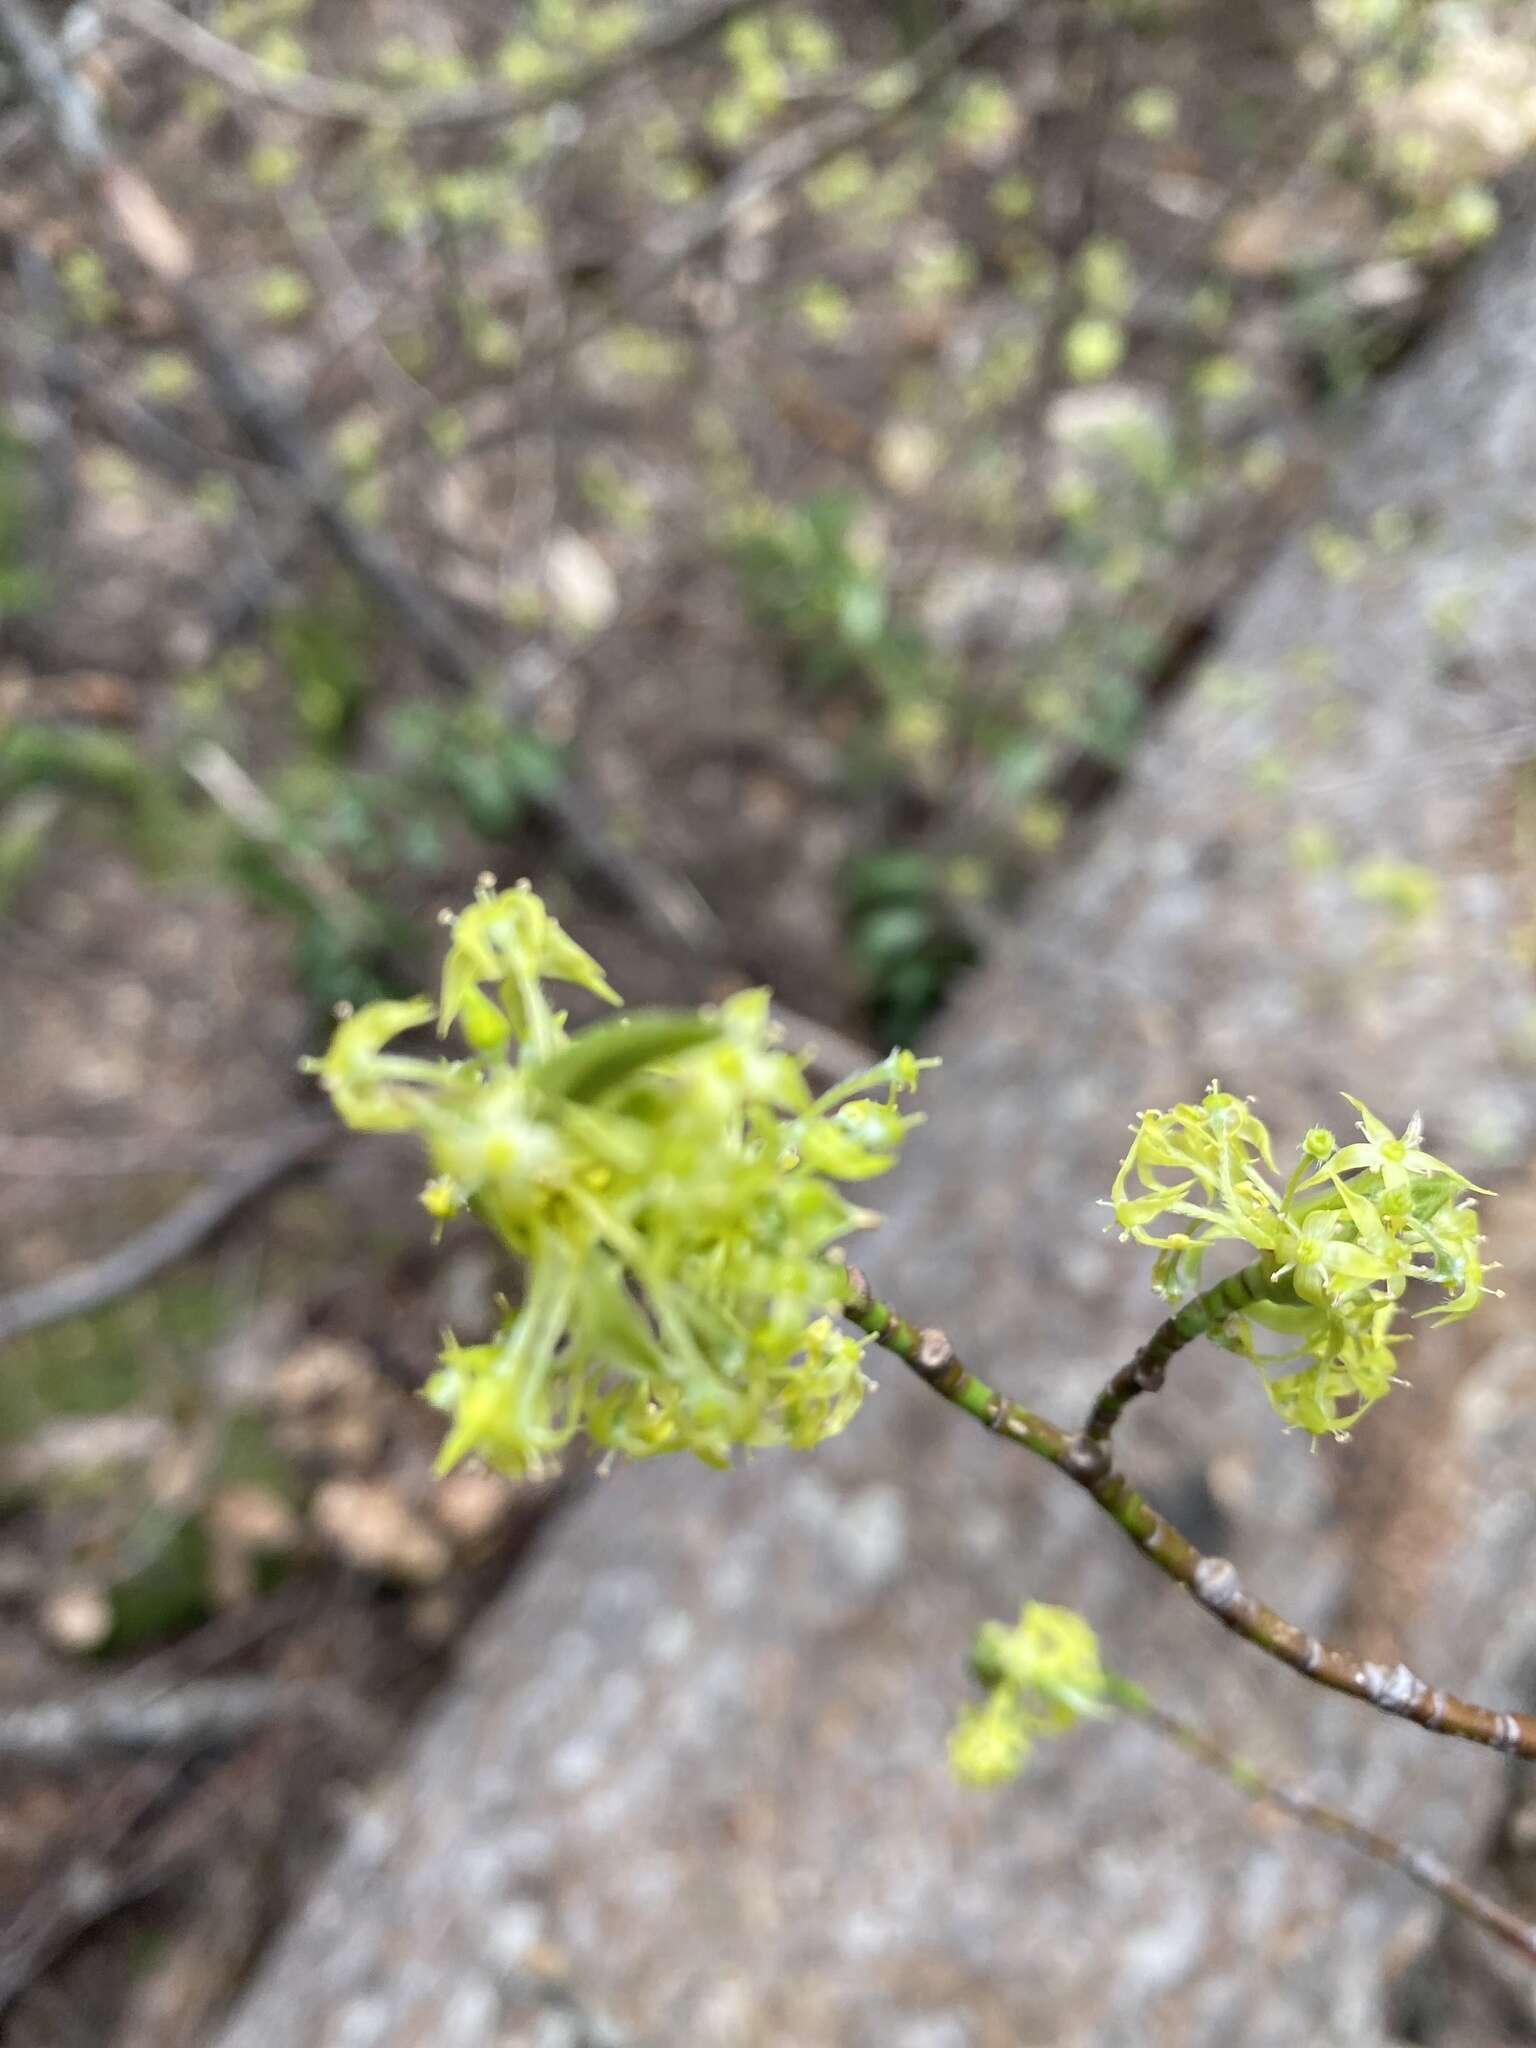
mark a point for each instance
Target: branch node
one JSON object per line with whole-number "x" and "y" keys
{"x": 1216, "y": 1585}
{"x": 858, "y": 1290}
{"x": 1085, "y": 1459}
{"x": 1396, "y": 1691}
{"x": 1425, "y": 1867}
{"x": 933, "y": 1352}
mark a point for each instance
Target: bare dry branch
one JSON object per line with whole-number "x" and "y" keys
{"x": 105, "y": 1280}
{"x": 1420, "y": 1866}
{"x": 93, "y": 1883}
{"x": 355, "y": 105}
{"x": 873, "y": 104}
{"x": 50, "y": 1156}
{"x": 207, "y": 1713}
{"x": 246, "y": 804}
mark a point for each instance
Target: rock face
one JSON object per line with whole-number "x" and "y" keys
{"x": 689, "y": 1785}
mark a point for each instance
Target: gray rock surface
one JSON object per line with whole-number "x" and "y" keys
{"x": 689, "y": 1788}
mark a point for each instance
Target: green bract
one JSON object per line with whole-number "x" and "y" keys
{"x": 665, "y": 1181}
{"x": 1350, "y": 1228}
{"x": 1042, "y": 1675}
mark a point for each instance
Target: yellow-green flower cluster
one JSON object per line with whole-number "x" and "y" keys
{"x": 1041, "y": 1676}
{"x": 665, "y": 1180}
{"x": 1347, "y": 1232}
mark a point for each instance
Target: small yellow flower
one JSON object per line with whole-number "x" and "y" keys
{"x": 1043, "y": 1675}
{"x": 665, "y": 1182}
{"x": 989, "y": 1743}
{"x": 1350, "y": 1229}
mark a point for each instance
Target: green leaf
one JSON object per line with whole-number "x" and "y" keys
{"x": 598, "y": 1059}
{"x": 168, "y": 1595}
{"x": 862, "y": 613}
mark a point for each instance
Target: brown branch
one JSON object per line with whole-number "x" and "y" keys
{"x": 157, "y": 1822}
{"x": 1144, "y": 1373}
{"x": 354, "y": 105}
{"x": 1420, "y": 1866}
{"x": 92, "y": 1884}
{"x": 172, "y": 1237}
{"x": 1212, "y": 1581}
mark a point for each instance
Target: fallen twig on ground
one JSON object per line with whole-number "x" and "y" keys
{"x": 170, "y": 1238}
{"x": 205, "y": 1713}
{"x": 46, "y": 1156}
{"x": 155, "y": 1824}
{"x": 248, "y": 807}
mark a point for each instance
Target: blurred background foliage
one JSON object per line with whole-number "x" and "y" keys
{"x": 752, "y": 468}
{"x": 943, "y": 447}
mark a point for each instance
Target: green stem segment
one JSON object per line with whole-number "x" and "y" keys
{"x": 1422, "y": 1867}
{"x": 1197, "y": 1318}
{"x": 1213, "y": 1581}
